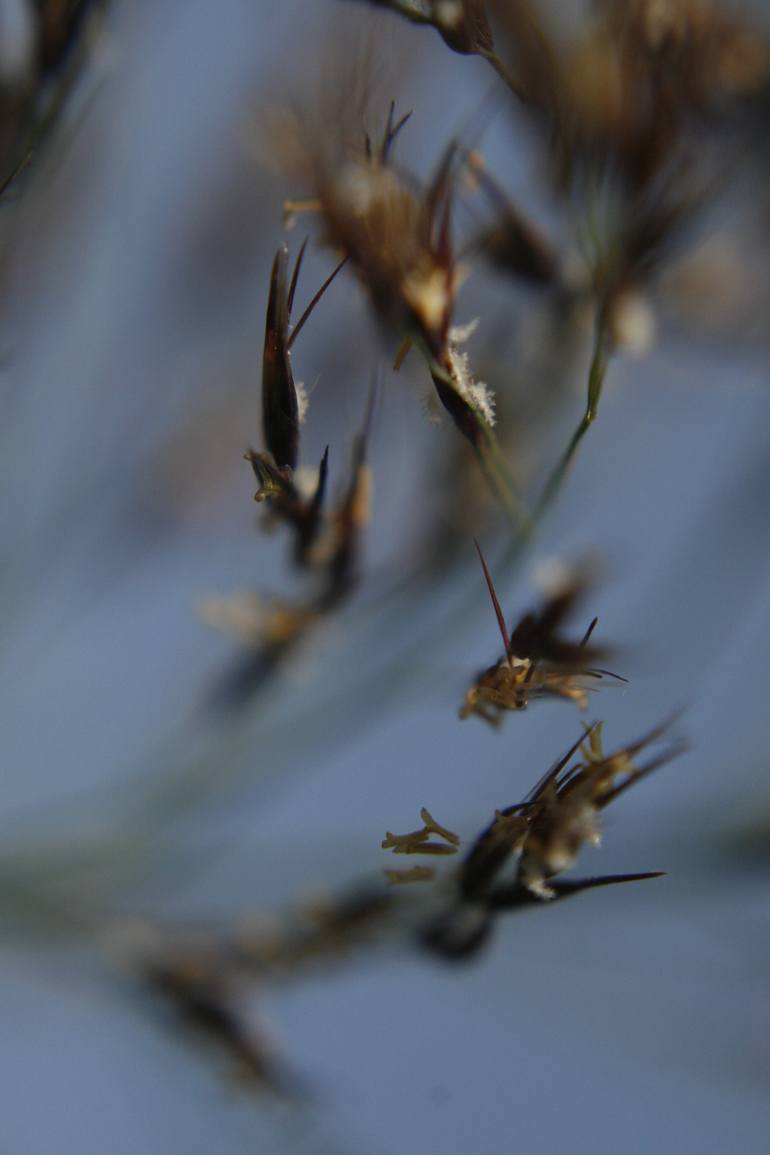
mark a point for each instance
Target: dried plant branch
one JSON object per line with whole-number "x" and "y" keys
{"x": 396, "y": 234}
{"x": 539, "y": 837}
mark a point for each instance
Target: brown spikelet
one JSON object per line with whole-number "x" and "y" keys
{"x": 280, "y": 409}
{"x": 538, "y": 661}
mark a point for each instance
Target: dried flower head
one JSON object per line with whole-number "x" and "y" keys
{"x": 563, "y": 811}
{"x": 626, "y": 88}
{"x": 537, "y": 661}
{"x": 326, "y": 543}
{"x": 396, "y": 233}
{"x": 283, "y": 409}
{"x": 516, "y": 860}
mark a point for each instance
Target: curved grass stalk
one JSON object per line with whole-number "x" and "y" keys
{"x": 137, "y": 819}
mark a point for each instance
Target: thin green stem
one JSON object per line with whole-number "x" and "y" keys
{"x": 596, "y": 376}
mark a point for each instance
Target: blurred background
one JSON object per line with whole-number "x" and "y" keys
{"x": 135, "y": 264}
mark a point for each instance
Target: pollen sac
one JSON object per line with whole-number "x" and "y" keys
{"x": 418, "y": 841}
{"x": 280, "y": 407}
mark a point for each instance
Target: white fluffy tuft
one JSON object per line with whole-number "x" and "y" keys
{"x": 476, "y": 393}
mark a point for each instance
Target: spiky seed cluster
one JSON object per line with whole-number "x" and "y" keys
{"x": 325, "y": 541}
{"x": 635, "y": 106}
{"x": 563, "y": 812}
{"x": 537, "y": 661}
{"x": 397, "y": 237}
{"x": 639, "y": 103}
{"x": 295, "y": 499}
{"x": 514, "y": 862}
{"x": 517, "y": 858}
{"x": 625, "y": 87}
{"x": 321, "y": 542}
{"x": 392, "y": 237}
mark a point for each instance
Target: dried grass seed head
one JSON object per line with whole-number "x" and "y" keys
{"x": 516, "y": 860}
{"x": 537, "y": 661}
{"x": 397, "y": 237}
{"x": 284, "y": 401}
{"x": 623, "y": 89}
{"x": 564, "y": 809}
{"x": 396, "y": 232}
{"x": 542, "y": 835}
{"x": 643, "y": 111}
{"x": 280, "y": 406}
